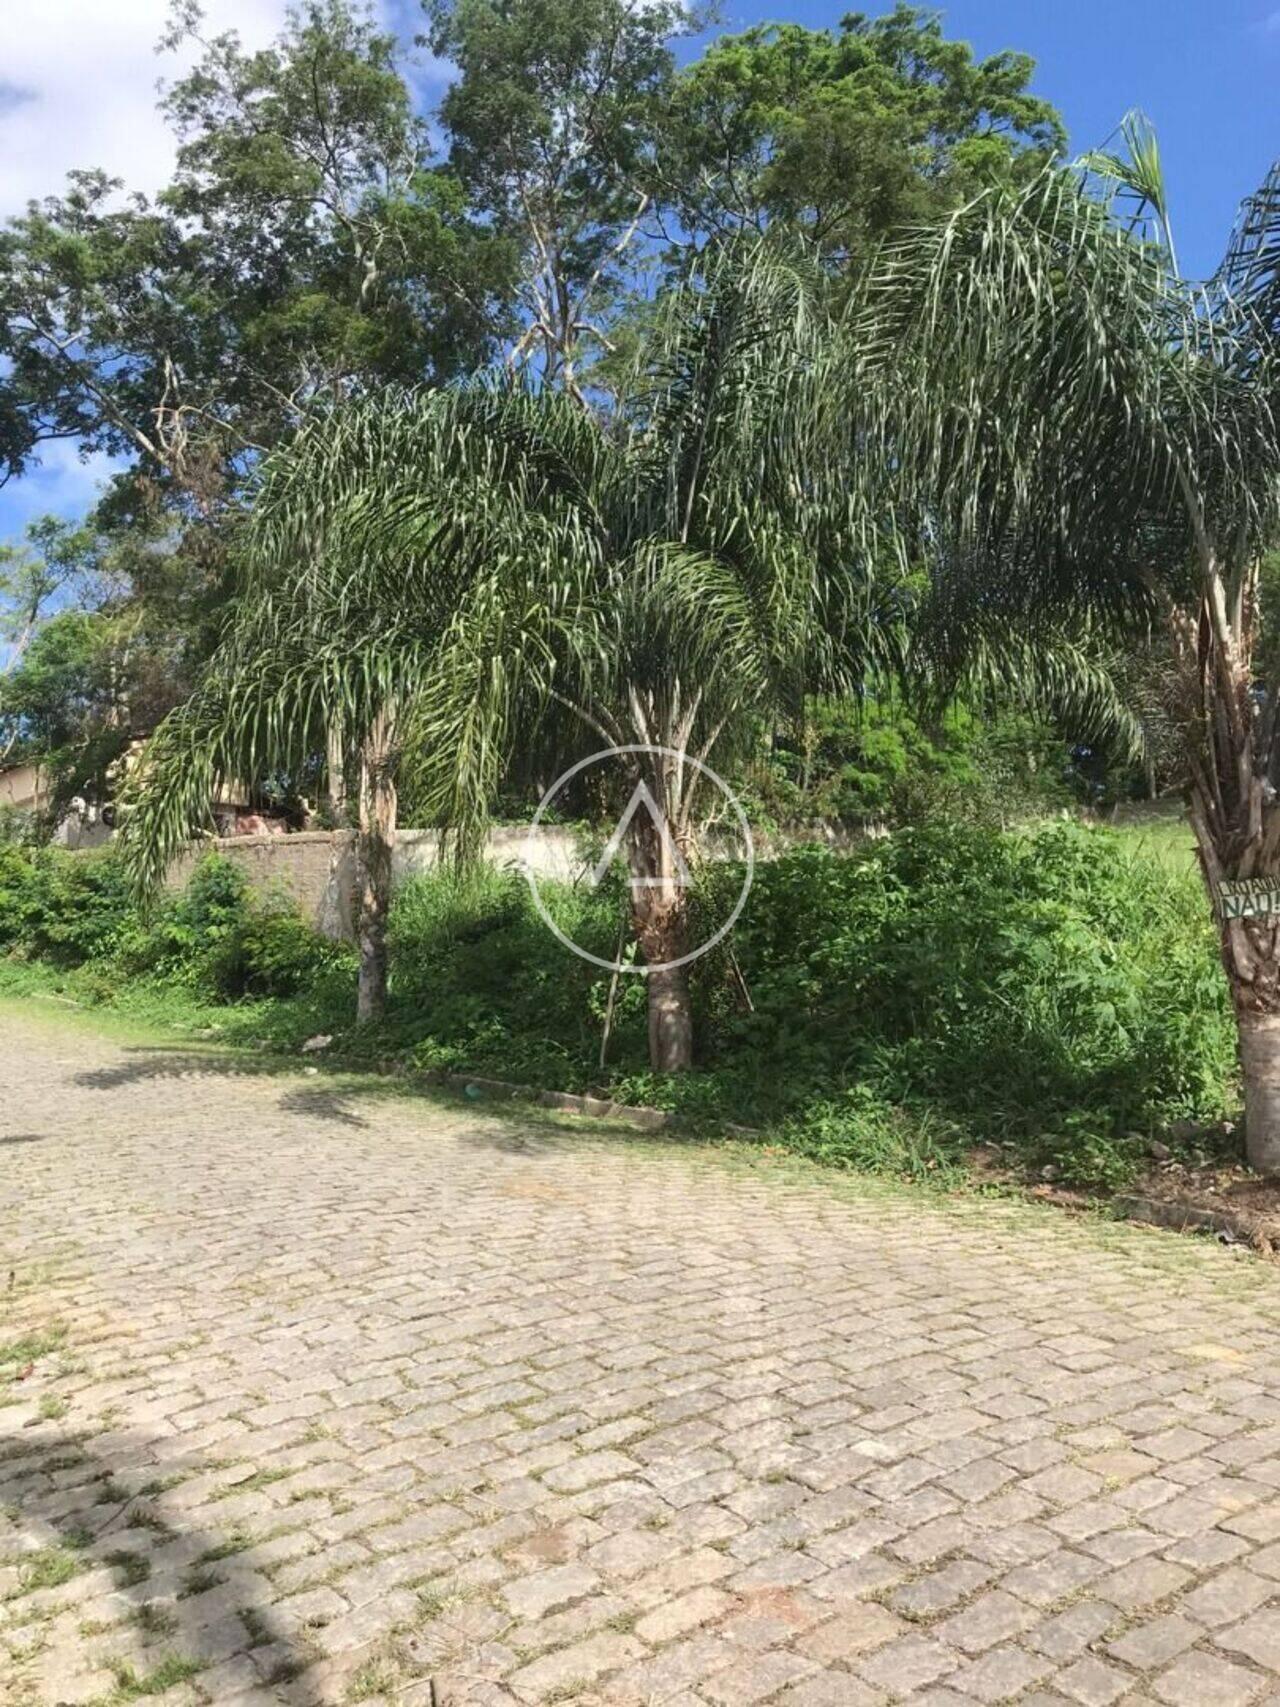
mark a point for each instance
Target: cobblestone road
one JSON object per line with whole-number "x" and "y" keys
{"x": 314, "y": 1395}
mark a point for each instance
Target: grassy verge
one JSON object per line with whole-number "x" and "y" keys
{"x": 1052, "y": 995}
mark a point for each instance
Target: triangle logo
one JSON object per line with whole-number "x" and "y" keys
{"x": 673, "y": 858}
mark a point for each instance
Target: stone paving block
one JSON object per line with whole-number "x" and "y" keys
{"x": 1226, "y": 1596}
{"x": 1256, "y": 1637}
{"x": 680, "y": 1665}
{"x": 1072, "y": 1630}
{"x": 992, "y": 1618}
{"x": 1093, "y": 1682}
{"x": 607, "y": 1420}
{"x": 1259, "y": 1524}
{"x": 858, "y": 1628}
{"x": 941, "y": 1590}
{"x": 755, "y": 1679}
{"x": 1198, "y": 1679}
{"x": 1146, "y": 1647}
{"x": 532, "y": 1596}
{"x": 582, "y": 1663}
{"x": 1002, "y": 1674}
{"x": 908, "y": 1663}
{"x": 676, "y": 1618}
{"x": 829, "y": 1690}
{"x": 1142, "y": 1584}
{"x": 573, "y": 1624}
{"x": 1052, "y": 1578}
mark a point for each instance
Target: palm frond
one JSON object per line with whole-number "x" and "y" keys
{"x": 1045, "y": 386}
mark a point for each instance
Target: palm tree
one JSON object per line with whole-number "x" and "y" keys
{"x": 1078, "y": 428}
{"x": 304, "y": 653}
{"x": 499, "y": 573}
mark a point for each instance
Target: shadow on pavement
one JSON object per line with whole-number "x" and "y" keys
{"x": 116, "y": 1592}
{"x": 508, "y": 1125}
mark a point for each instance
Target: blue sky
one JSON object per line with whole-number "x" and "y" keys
{"x": 1207, "y": 74}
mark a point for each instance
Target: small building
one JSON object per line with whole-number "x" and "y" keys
{"x": 20, "y": 787}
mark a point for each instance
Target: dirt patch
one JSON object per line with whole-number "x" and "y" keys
{"x": 1228, "y": 1200}
{"x": 1222, "y": 1198}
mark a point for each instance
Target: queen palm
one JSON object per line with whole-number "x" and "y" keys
{"x": 1078, "y": 428}
{"x": 473, "y": 575}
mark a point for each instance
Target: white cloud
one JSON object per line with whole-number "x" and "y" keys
{"x": 78, "y": 88}
{"x": 63, "y": 484}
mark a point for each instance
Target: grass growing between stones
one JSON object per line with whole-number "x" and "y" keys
{"x": 130, "y": 1568}
{"x": 32, "y": 1346}
{"x": 50, "y": 1567}
{"x": 132, "y": 1685}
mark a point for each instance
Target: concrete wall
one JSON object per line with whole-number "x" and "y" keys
{"x": 316, "y": 868}
{"x": 20, "y": 787}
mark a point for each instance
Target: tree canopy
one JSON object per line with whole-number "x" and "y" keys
{"x": 324, "y": 234}
{"x": 307, "y": 245}
{"x": 846, "y": 134}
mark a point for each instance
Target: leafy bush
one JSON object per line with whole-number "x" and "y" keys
{"x": 872, "y": 758}
{"x": 1050, "y": 990}
{"x": 15, "y": 881}
{"x": 482, "y": 982}
{"x": 62, "y": 907}
{"x": 1045, "y": 989}
{"x": 272, "y": 952}
{"x": 184, "y": 938}
{"x": 77, "y": 910}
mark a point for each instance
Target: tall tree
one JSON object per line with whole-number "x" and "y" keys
{"x": 504, "y": 574}
{"x": 306, "y": 246}
{"x": 552, "y": 120}
{"x": 1082, "y": 428}
{"x": 843, "y": 134}
{"x": 96, "y": 657}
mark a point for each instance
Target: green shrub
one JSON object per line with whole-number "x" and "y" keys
{"x": 852, "y": 759}
{"x": 270, "y": 952}
{"x": 858, "y": 1130}
{"x": 62, "y": 907}
{"x": 482, "y": 982}
{"x": 15, "y": 882}
{"x": 77, "y": 911}
{"x": 1051, "y": 990}
{"x": 183, "y": 937}
{"x": 1045, "y": 989}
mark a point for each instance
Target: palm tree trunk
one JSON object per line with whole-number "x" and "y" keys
{"x": 374, "y": 841}
{"x": 1260, "y": 1068}
{"x": 1250, "y": 949}
{"x": 1235, "y": 813}
{"x": 335, "y": 772}
{"x": 1251, "y": 957}
{"x": 670, "y": 1021}
{"x": 660, "y": 914}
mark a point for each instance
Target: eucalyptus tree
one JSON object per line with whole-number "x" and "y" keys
{"x": 505, "y": 573}
{"x": 552, "y": 123}
{"x": 1079, "y": 428}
